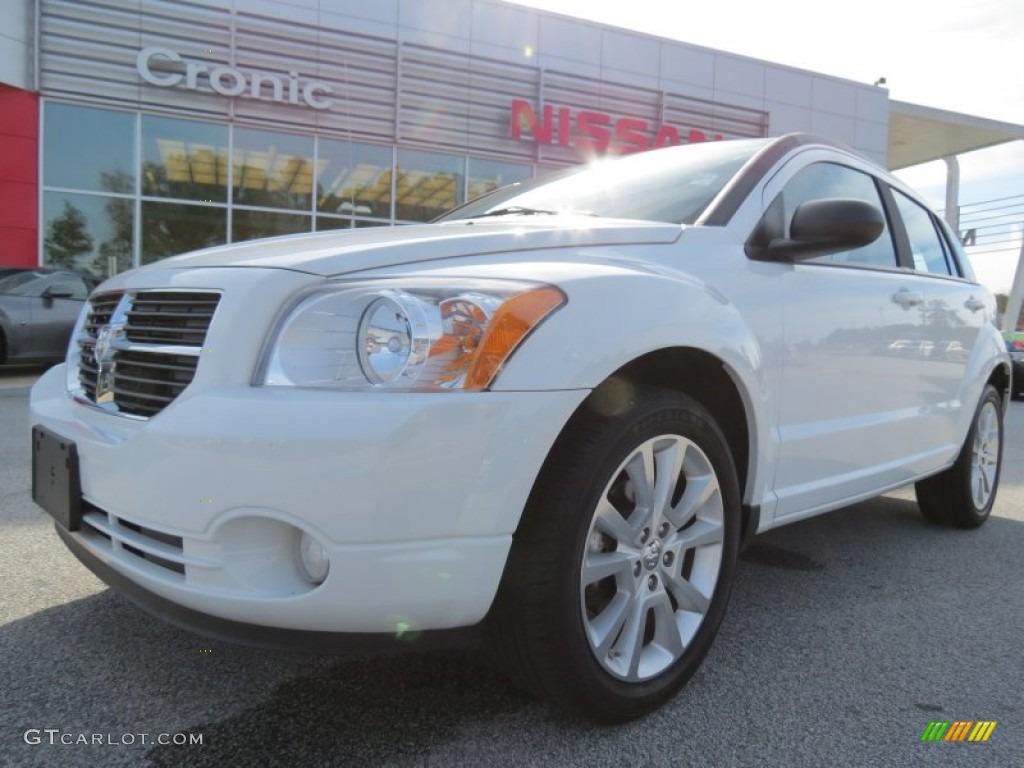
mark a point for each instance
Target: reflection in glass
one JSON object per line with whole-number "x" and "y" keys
{"x": 84, "y": 146}
{"x": 427, "y": 184}
{"x": 273, "y": 170}
{"x": 184, "y": 159}
{"x": 248, "y": 225}
{"x": 925, "y": 246}
{"x": 170, "y": 229}
{"x": 87, "y": 233}
{"x": 338, "y": 222}
{"x": 354, "y": 179}
{"x": 488, "y": 175}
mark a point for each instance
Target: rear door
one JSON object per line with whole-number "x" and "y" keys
{"x": 955, "y": 309}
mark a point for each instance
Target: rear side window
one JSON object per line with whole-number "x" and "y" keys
{"x": 928, "y": 250}
{"x": 828, "y": 180}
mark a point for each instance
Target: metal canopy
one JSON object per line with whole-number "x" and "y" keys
{"x": 919, "y": 134}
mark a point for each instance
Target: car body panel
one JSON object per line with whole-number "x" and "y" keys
{"x": 37, "y": 326}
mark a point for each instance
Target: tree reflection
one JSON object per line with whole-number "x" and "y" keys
{"x": 115, "y": 253}
{"x": 170, "y": 229}
{"x": 67, "y": 237}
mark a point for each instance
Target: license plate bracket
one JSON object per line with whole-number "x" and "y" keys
{"x": 56, "y": 483}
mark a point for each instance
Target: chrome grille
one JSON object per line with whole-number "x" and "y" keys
{"x": 138, "y": 351}
{"x": 170, "y": 317}
{"x": 101, "y": 310}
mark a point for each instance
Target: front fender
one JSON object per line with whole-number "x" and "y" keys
{"x": 613, "y": 318}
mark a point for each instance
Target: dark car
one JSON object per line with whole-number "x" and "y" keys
{"x": 1015, "y": 346}
{"x": 38, "y": 309}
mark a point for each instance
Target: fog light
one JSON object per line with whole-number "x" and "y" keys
{"x": 312, "y": 559}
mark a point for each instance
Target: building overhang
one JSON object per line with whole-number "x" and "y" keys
{"x": 919, "y": 134}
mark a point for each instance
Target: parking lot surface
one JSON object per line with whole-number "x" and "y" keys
{"x": 846, "y": 636}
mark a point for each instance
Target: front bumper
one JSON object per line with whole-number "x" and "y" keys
{"x": 414, "y": 497}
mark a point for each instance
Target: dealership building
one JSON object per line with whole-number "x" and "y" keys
{"x": 131, "y": 131}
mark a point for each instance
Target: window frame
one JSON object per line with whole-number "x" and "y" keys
{"x": 902, "y": 236}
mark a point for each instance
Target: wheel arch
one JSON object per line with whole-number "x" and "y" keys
{"x": 1000, "y": 379}
{"x": 707, "y": 379}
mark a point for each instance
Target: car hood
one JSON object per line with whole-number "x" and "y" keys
{"x": 335, "y": 253}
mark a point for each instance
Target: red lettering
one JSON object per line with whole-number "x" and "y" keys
{"x": 667, "y": 136}
{"x": 564, "y": 126}
{"x": 632, "y": 134}
{"x": 595, "y": 131}
{"x": 590, "y": 125}
{"x": 525, "y": 119}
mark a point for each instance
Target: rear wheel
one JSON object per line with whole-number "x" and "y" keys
{"x": 621, "y": 569}
{"x": 962, "y": 496}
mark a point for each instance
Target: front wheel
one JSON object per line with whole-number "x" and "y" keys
{"x": 621, "y": 568}
{"x": 962, "y": 496}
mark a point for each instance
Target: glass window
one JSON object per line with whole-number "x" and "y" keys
{"x": 927, "y": 250}
{"x": 675, "y": 186}
{"x": 354, "y": 179}
{"x": 248, "y": 225}
{"x": 273, "y": 170}
{"x": 428, "y": 184}
{"x": 87, "y": 233}
{"x": 337, "y": 222}
{"x": 826, "y": 180}
{"x": 29, "y": 282}
{"x": 488, "y": 175}
{"x": 90, "y": 149}
{"x": 184, "y": 159}
{"x": 170, "y": 229}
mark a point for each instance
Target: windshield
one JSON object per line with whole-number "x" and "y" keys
{"x": 672, "y": 185}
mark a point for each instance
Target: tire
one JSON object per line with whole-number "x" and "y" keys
{"x": 615, "y": 586}
{"x": 962, "y": 495}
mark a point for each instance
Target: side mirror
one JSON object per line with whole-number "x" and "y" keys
{"x": 821, "y": 227}
{"x": 58, "y": 292}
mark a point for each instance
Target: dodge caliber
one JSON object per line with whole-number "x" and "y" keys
{"x": 552, "y": 416}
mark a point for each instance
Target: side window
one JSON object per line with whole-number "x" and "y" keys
{"x": 73, "y": 283}
{"x": 24, "y": 283}
{"x": 925, "y": 245}
{"x": 825, "y": 180}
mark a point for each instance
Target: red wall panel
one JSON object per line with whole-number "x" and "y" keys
{"x": 19, "y": 177}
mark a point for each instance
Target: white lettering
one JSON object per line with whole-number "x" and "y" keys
{"x": 143, "y": 65}
{"x": 277, "y": 87}
{"x": 217, "y": 75}
{"x": 192, "y": 71}
{"x": 32, "y": 736}
{"x": 309, "y": 95}
{"x": 165, "y": 68}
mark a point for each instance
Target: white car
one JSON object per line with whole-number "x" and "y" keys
{"x": 552, "y": 415}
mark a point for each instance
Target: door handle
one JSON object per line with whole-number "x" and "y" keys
{"x": 974, "y": 304}
{"x": 907, "y": 299}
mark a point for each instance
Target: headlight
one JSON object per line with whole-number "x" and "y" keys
{"x": 410, "y": 334}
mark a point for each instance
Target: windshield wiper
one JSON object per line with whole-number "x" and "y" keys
{"x": 518, "y": 210}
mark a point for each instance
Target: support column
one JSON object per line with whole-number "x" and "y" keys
{"x": 953, "y": 193}
{"x": 1013, "y": 306}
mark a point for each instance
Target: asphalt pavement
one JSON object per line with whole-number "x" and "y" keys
{"x": 846, "y": 636}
